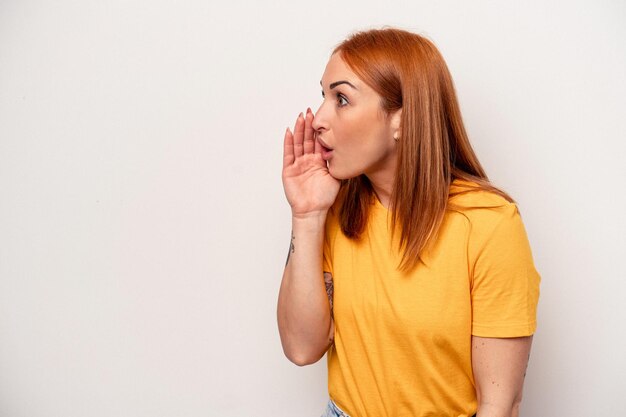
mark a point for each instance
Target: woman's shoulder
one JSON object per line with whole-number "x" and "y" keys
{"x": 468, "y": 195}
{"x": 482, "y": 209}
{"x": 488, "y": 217}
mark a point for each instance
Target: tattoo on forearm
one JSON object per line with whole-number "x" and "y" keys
{"x": 292, "y": 248}
{"x": 328, "y": 280}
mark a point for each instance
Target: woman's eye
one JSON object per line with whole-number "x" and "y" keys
{"x": 339, "y": 98}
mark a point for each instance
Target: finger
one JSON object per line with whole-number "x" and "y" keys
{"x": 288, "y": 157}
{"x": 318, "y": 147}
{"x": 309, "y": 141}
{"x": 298, "y": 136}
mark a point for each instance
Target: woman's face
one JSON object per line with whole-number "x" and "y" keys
{"x": 352, "y": 123}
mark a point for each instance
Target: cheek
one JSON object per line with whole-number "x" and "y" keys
{"x": 368, "y": 139}
{"x": 360, "y": 134}
{"x": 355, "y": 131}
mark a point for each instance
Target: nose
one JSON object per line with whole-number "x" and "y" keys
{"x": 319, "y": 121}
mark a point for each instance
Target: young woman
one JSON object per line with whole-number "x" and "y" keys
{"x": 406, "y": 265}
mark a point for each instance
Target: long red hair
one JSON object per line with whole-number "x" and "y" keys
{"x": 408, "y": 72}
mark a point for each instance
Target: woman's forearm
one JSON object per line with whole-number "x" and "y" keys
{"x": 304, "y": 319}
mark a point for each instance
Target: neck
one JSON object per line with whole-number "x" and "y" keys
{"x": 382, "y": 178}
{"x": 382, "y": 188}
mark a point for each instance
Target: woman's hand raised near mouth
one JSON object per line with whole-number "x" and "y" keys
{"x": 309, "y": 187}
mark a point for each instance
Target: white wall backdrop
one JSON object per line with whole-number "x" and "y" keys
{"x": 143, "y": 224}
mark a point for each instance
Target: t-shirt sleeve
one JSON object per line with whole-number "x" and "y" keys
{"x": 505, "y": 284}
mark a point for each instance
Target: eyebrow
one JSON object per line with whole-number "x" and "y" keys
{"x": 336, "y": 83}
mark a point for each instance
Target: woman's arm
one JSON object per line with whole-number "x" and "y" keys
{"x": 303, "y": 312}
{"x": 499, "y": 366}
{"x": 304, "y": 316}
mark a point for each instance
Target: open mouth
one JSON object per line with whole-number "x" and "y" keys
{"x": 326, "y": 153}
{"x": 324, "y": 146}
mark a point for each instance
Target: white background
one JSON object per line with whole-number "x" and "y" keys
{"x": 144, "y": 227}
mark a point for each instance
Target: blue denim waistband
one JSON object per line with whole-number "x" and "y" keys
{"x": 332, "y": 410}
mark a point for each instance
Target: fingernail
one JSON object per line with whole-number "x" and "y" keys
{"x": 308, "y": 110}
{"x": 301, "y": 115}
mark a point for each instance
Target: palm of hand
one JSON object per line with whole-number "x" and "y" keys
{"x": 309, "y": 187}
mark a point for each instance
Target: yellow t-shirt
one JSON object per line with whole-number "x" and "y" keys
{"x": 403, "y": 341}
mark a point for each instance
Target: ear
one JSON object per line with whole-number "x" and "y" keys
{"x": 396, "y": 121}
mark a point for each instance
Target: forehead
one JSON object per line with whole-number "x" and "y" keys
{"x": 336, "y": 70}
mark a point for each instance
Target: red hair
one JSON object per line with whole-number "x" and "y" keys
{"x": 409, "y": 73}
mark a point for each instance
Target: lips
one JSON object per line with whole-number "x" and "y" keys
{"x": 328, "y": 148}
{"x": 327, "y": 151}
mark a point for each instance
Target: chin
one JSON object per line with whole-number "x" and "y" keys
{"x": 339, "y": 175}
